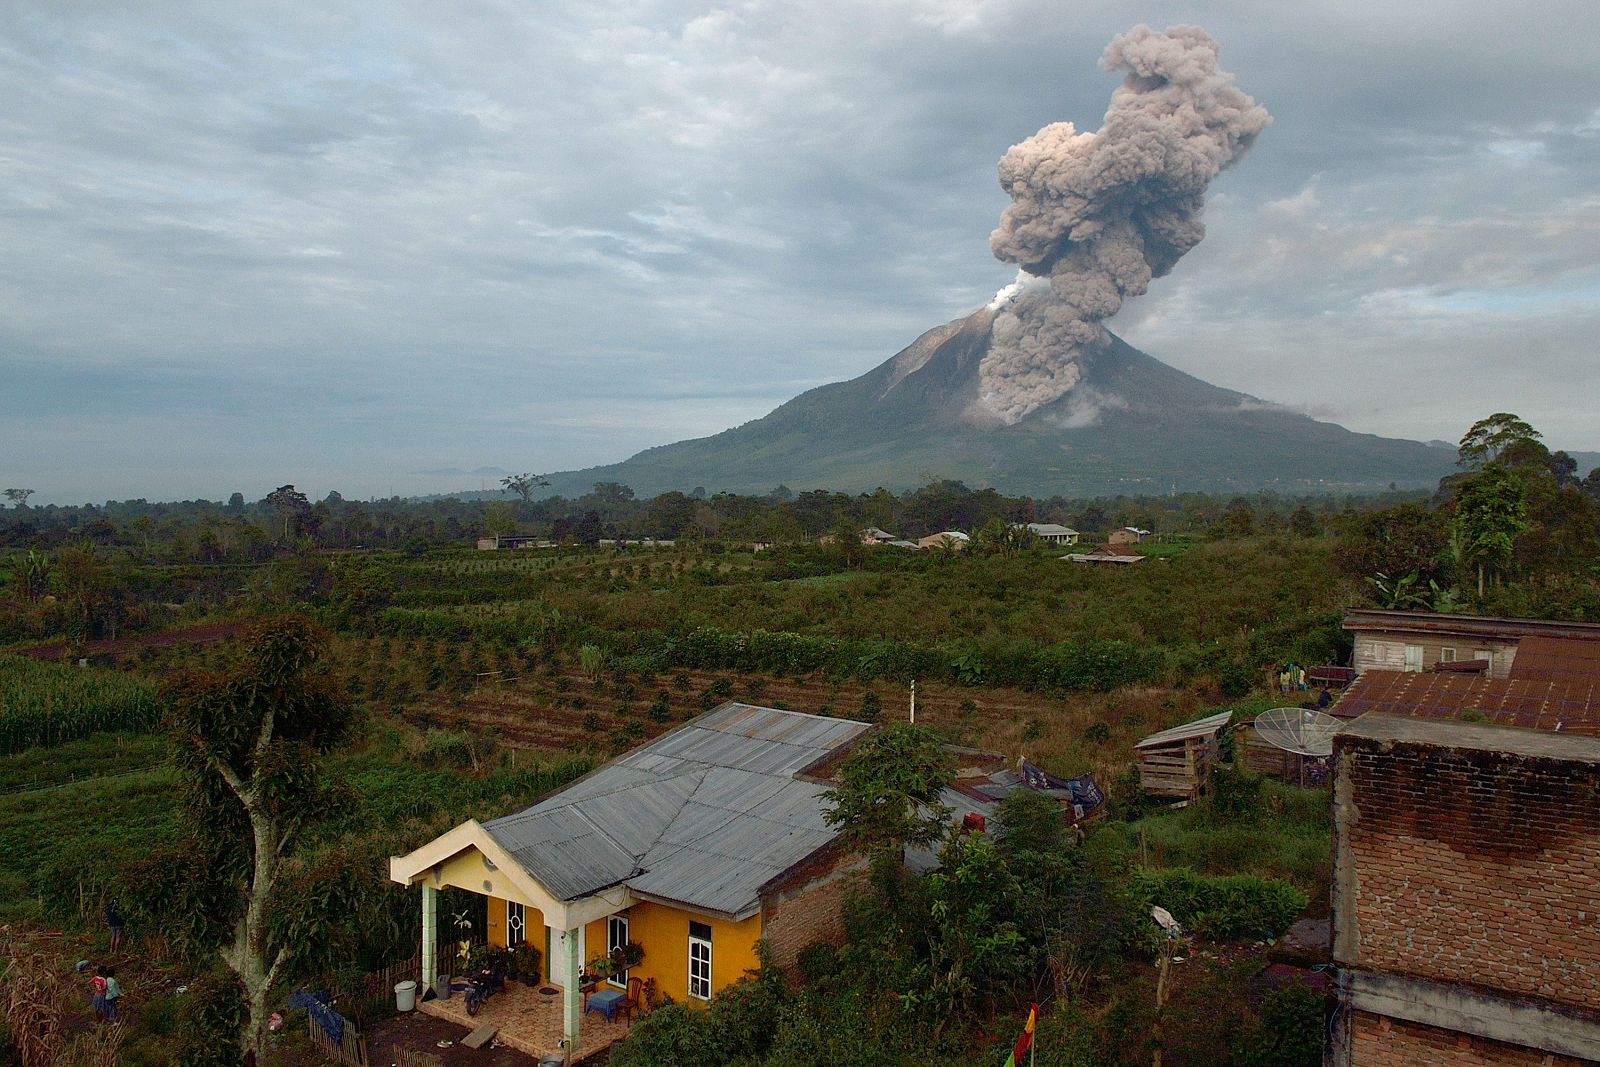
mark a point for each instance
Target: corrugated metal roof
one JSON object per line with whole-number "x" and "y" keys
{"x": 705, "y": 814}
{"x": 1556, "y": 659}
{"x": 1199, "y": 728}
{"x": 1567, "y": 706}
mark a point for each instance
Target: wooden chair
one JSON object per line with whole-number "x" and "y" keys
{"x": 634, "y": 999}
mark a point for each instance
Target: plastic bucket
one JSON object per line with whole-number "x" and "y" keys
{"x": 405, "y": 995}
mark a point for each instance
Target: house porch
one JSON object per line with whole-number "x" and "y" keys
{"x": 530, "y": 1021}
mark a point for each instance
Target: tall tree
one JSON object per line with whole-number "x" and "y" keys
{"x": 246, "y": 744}
{"x": 289, "y": 503}
{"x": 19, "y": 497}
{"x": 1491, "y": 513}
{"x": 1488, "y": 439}
{"x": 523, "y": 484}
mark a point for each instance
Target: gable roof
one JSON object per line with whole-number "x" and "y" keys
{"x": 1571, "y": 706}
{"x": 705, "y": 815}
{"x": 1050, "y": 529}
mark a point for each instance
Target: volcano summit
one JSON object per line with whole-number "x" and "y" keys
{"x": 1130, "y": 424}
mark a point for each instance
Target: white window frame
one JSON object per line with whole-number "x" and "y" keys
{"x": 617, "y": 927}
{"x": 700, "y": 952}
{"x": 1414, "y": 655}
{"x": 1447, "y": 654}
{"x": 516, "y": 924}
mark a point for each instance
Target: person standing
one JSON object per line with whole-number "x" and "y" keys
{"x": 97, "y": 994}
{"x": 114, "y": 923}
{"x": 113, "y": 994}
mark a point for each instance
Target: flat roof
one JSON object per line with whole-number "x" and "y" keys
{"x": 1473, "y": 737}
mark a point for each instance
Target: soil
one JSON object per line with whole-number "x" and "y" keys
{"x": 110, "y": 651}
{"x": 422, "y": 1033}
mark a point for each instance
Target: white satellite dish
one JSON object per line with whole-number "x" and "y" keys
{"x": 1302, "y": 730}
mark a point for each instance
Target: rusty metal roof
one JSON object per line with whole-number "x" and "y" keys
{"x": 1474, "y": 625}
{"x": 1556, "y": 659}
{"x": 704, "y": 815}
{"x": 1571, "y": 706}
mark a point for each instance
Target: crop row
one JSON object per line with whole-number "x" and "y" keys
{"x": 47, "y": 703}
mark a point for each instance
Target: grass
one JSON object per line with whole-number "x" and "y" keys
{"x": 96, "y": 756}
{"x": 52, "y": 838}
{"x": 1289, "y": 836}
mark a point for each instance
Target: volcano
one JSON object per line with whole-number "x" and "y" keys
{"x": 1131, "y": 425}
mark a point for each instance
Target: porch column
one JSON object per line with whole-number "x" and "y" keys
{"x": 572, "y": 997}
{"x": 430, "y": 938}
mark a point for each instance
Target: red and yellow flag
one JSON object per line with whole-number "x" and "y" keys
{"x": 1025, "y": 1042}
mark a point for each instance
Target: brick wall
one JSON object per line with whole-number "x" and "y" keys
{"x": 808, "y": 906}
{"x": 1474, "y": 866}
{"x": 1380, "y": 1042}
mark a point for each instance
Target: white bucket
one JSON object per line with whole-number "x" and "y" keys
{"x": 405, "y": 996}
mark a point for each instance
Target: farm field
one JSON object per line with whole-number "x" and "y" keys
{"x": 481, "y": 683}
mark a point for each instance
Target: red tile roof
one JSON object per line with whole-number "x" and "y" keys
{"x": 1567, "y": 706}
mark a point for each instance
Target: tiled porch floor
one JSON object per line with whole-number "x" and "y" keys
{"x": 530, "y": 1023}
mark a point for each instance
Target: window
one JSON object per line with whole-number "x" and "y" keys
{"x": 616, "y": 937}
{"x": 516, "y": 924}
{"x": 1487, "y": 655}
{"x": 1413, "y": 658}
{"x": 1447, "y": 655}
{"x": 699, "y": 961}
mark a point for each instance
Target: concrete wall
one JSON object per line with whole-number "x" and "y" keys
{"x": 663, "y": 932}
{"x": 1467, "y": 884}
{"x": 1379, "y": 1041}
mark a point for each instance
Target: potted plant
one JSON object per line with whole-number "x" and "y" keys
{"x": 526, "y": 963}
{"x": 626, "y": 956}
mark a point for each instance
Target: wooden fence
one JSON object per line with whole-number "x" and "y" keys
{"x": 353, "y": 1050}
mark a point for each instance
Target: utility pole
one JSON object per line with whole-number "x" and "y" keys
{"x": 913, "y": 700}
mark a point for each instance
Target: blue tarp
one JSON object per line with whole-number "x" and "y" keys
{"x": 316, "y": 1006}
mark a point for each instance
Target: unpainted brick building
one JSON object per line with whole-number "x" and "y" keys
{"x": 1466, "y": 895}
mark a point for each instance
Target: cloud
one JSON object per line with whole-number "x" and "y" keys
{"x": 310, "y": 233}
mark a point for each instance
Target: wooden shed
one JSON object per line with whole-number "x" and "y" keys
{"x": 1177, "y": 762}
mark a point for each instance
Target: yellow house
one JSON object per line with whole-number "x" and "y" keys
{"x": 695, "y": 847}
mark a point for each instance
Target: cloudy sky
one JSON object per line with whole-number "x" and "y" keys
{"x": 359, "y": 244}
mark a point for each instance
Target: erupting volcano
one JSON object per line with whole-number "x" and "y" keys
{"x": 1032, "y": 394}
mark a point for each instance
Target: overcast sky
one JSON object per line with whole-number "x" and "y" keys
{"x": 345, "y": 244}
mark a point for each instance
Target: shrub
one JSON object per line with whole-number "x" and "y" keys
{"x": 1289, "y": 1033}
{"x": 871, "y": 706}
{"x": 1235, "y": 790}
{"x": 661, "y": 707}
{"x": 1218, "y": 908}
{"x": 1098, "y": 733}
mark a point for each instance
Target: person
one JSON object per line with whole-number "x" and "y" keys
{"x": 1325, "y": 697}
{"x": 113, "y": 994}
{"x": 114, "y": 922}
{"x": 97, "y": 994}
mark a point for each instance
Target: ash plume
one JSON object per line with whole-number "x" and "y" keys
{"x": 1099, "y": 214}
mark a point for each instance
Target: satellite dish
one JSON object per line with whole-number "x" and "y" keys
{"x": 1302, "y": 730}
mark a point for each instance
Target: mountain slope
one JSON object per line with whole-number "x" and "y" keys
{"x": 1132, "y": 425}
